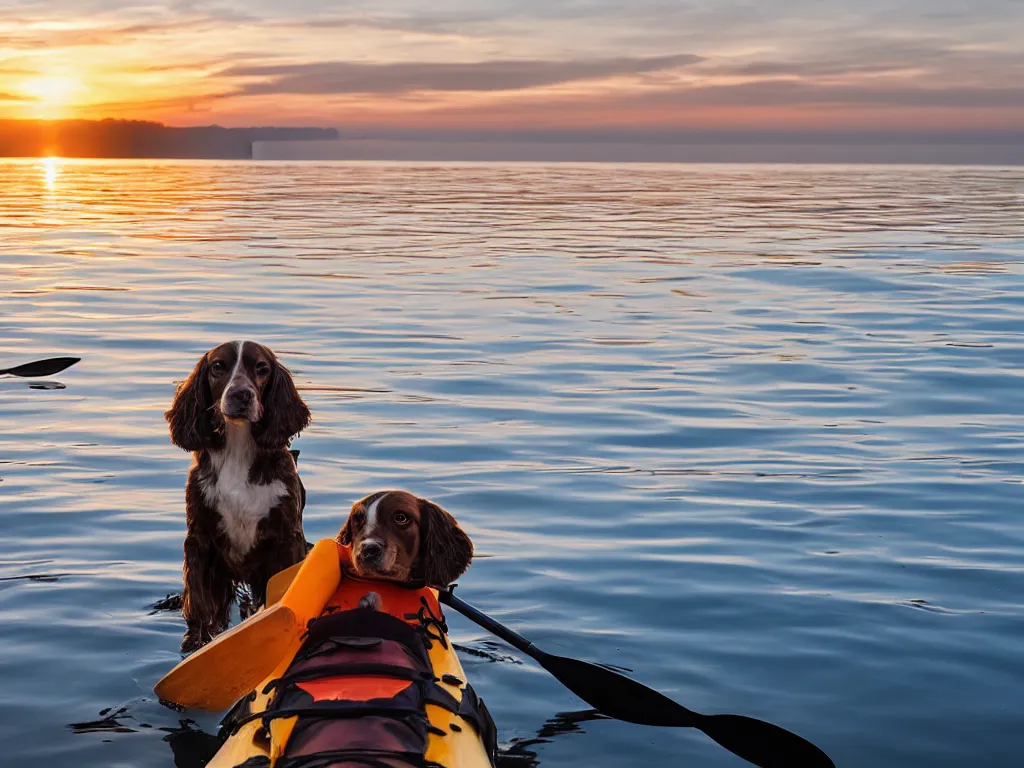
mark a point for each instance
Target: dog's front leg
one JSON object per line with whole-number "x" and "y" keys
{"x": 209, "y": 592}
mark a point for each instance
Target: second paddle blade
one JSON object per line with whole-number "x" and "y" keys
{"x": 48, "y": 367}
{"x": 217, "y": 675}
{"x": 763, "y": 744}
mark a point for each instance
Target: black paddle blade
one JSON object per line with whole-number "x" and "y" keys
{"x": 47, "y": 367}
{"x": 623, "y": 698}
{"x": 762, "y": 743}
{"x": 616, "y": 695}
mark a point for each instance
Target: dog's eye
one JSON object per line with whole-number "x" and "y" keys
{"x": 401, "y": 518}
{"x": 262, "y": 369}
{"x": 218, "y": 368}
{"x": 358, "y": 518}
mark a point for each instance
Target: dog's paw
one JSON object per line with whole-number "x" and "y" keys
{"x": 370, "y": 600}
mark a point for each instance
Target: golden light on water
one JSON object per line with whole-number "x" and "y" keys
{"x": 51, "y": 168}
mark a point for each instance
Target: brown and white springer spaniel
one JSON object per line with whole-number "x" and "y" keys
{"x": 237, "y": 412}
{"x": 396, "y": 535}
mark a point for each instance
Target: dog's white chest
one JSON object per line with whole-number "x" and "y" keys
{"x": 241, "y": 504}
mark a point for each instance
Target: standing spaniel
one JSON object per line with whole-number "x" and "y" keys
{"x": 237, "y": 412}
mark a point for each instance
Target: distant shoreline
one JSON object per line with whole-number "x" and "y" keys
{"x": 136, "y": 139}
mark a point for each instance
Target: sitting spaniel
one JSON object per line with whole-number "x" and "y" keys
{"x": 237, "y": 412}
{"x": 396, "y": 535}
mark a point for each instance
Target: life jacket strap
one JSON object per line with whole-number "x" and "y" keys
{"x": 426, "y": 619}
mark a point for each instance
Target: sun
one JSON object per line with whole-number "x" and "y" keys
{"x": 52, "y": 95}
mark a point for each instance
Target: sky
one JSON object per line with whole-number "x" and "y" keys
{"x": 608, "y": 67}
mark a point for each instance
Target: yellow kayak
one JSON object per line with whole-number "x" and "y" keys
{"x": 369, "y": 687}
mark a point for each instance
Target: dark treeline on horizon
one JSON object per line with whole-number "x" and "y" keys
{"x": 140, "y": 139}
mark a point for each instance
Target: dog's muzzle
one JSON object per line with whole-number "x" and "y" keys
{"x": 370, "y": 556}
{"x": 239, "y": 403}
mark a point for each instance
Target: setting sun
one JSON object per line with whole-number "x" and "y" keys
{"x": 52, "y": 95}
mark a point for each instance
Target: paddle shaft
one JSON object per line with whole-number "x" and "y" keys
{"x": 514, "y": 639}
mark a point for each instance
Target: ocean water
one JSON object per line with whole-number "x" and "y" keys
{"x": 755, "y": 433}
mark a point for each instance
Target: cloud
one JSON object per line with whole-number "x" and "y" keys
{"x": 359, "y": 78}
{"x": 788, "y": 93}
{"x": 943, "y": 61}
{"x": 808, "y": 68}
{"x": 30, "y": 33}
{"x": 139, "y": 108}
{"x": 211, "y": 64}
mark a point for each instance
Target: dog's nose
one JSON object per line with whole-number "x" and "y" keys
{"x": 242, "y": 395}
{"x": 371, "y": 550}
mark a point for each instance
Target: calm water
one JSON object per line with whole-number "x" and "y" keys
{"x": 756, "y": 433}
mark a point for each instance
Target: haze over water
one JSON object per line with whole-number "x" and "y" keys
{"x": 753, "y": 432}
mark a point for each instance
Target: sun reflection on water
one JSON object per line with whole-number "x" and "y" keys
{"x": 51, "y": 168}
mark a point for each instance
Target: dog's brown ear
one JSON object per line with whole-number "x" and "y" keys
{"x": 284, "y": 412}
{"x": 189, "y": 416}
{"x": 445, "y": 549}
{"x": 345, "y": 534}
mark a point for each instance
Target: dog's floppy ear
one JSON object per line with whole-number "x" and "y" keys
{"x": 345, "y": 534}
{"x": 189, "y": 416}
{"x": 284, "y": 412}
{"x": 445, "y": 549}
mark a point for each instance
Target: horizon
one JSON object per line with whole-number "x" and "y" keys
{"x": 114, "y": 138}
{"x": 653, "y": 72}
